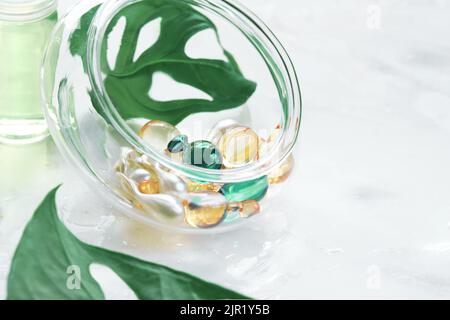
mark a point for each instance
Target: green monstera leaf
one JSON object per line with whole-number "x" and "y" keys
{"x": 129, "y": 81}
{"x": 78, "y": 39}
{"x": 48, "y": 250}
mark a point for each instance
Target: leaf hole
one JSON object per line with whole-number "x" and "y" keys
{"x": 113, "y": 287}
{"x": 148, "y": 36}
{"x": 164, "y": 88}
{"x": 115, "y": 36}
{"x": 205, "y": 45}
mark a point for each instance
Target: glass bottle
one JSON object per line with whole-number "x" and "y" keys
{"x": 25, "y": 26}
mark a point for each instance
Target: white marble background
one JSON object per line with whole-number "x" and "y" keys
{"x": 367, "y": 214}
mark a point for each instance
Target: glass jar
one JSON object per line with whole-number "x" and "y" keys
{"x": 182, "y": 114}
{"x": 25, "y": 26}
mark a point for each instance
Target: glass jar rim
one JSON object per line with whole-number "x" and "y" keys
{"x": 26, "y": 10}
{"x": 268, "y": 46}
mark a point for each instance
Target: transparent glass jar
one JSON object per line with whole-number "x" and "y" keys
{"x": 215, "y": 69}
{"x": 25, "y": 26}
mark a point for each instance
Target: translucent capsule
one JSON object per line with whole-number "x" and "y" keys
{"x": 127, "y": 160}
{"x": 204, "y": 217}
{"x": 239, "y": 146}
{"x": 144, "y": 176}
{"x": 203, "y": 154}
{"x": 245, "y": 209}
{"x": 274, "y": 134}
{"x": 249, "y": 208}
{"x": 158, "y": 133}
{"x": 139, "y": 174}
{"x": 203, "y": 210}
{"x": 265, "y": 145}
{"x": 125, "y": 187}
{"x": 136, "y": 124}
{"x": 177, "y": 157}
{"x": 162, "y": 205}
{"x": 195, "y": 186}
{"x": 149, "y": 187}
{"x": 220, "y": 128}
{"x": 178, "y": 144}
{"x": 168, "y": 182}
{"x": 282, "y": 172}
{"x": 264, "y": 148}
{"x": 247, "y": 190}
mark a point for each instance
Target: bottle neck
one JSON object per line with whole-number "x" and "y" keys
{"x": 26, "y": 10}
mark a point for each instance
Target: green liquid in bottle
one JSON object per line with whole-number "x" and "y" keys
{"x": 22, "y": 45}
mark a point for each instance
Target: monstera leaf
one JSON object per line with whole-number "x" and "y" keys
{"x": 49, "y": 255}
{"x": 129, "y": 81}
{"x": 78, "y": 39}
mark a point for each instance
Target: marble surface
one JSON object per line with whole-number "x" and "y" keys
{"x": 367, "y": 213}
